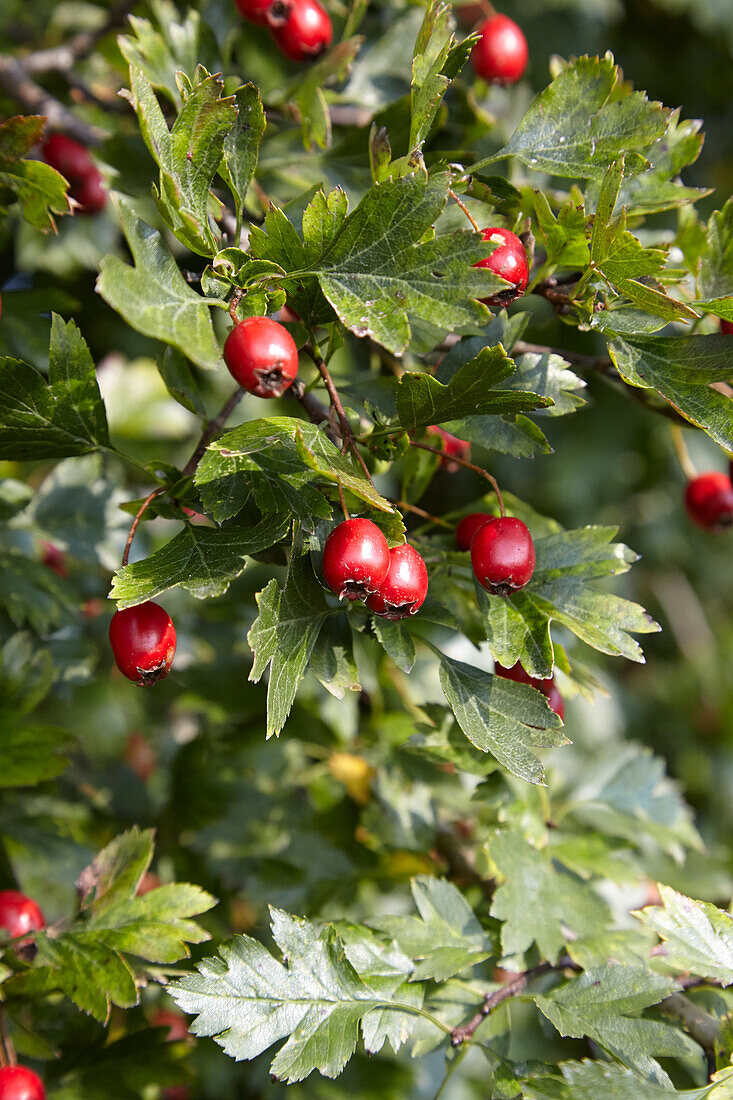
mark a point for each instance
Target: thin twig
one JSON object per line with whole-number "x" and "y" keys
{"x": 7, "y": 1050}
{"x": 465, "y": 209}
{"x": 469, "y": 466}
{"x": 63, "y": 58}
{"x": 683, "y": 455}
{"x": 346, "y": 433}
{"x": 34, "y": 99}
{"x": 317, "y": 412}
{"x": 405, "y": 507}
{"x": 138, "y": 516}
{"x": 344, "y": 509}
{"x": 505, "y": 993}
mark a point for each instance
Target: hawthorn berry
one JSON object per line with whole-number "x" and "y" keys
{"x": 355, "y": 559}
{"x": 548, "y": 687}
{"x": 19, "y": 914}
{"x": 502, "y": 555}
{"x": 73, "y": 161}
{"x": 306, "y": 33}
{"x": 90, "y": 193}
{"x": 709, "y": 500}
{"x": 509, "y": 260}
{"x": 174, "y": 1021}
{"x": 52, "y": 557}
{"x": 261, "y": 355}
{"x": 268, "y": 13}
{"x": 20, "y": 1083}
{"x": 727, "y": 327}
{"x": 143, "y": 641}
{"x": 452, "y": 447}
{"x": 500, "y": 55}
{"x": 403, "y": 590}
{"x": 468, "y": 527}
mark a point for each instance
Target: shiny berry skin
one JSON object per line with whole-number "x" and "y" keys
{"x": 355, "y": 559}
{"x": 306, "y": 33}
{"x": 468, "y": 527}
{"x": 90, "y": 193}
{"x": 20, "y": 1083}
{"x": 727, "y": 327}
{"x": 709, "y": 500}
{"x": 19, "y": 914}
{"x": 500, "y": 55}
{"x": 509, "y": 260}
{"x": 403, "y": 590}
{"x": 262, "y": 356}
{"x": 451, "y": 445}
{"x": 67, "y": 156}
{"x": 502, "y": 555}
{"x": 143, "y": 641}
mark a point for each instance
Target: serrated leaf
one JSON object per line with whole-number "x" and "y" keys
{"x": 202, "y": 560}
{"x": 681, "y": 369}
{"x": 716, "y": 267}
{"x": 446, "y": 938}
{"x": 242, "y": 143}
{"x": 88, "y": 972}
{"x": 178, "y": 46}
{"x": 378, "y": 272}
{"x": 473, "y": 390}
{"x": 604, "y": 1004}
{"x": 607, "y": 1081}
{"x": 153, "y": 297}
{"x": 332, "y": 659}
{"x": 37, "y": 187}
{"x": 538, "y": 902}
{"x": 248, "y": 1000}
{"x": 550, "y": 376}
{"x": 386, "y": 970}
{"x": 437, "y": 58}
{"x": 565, "y": 233}
{"x": 65, "y": 416}
{"x": 284, "y": 633}
{"x": 395, "y": 641}
{"x": 32, "y": 754}
{"x": 578, "y": 125}
{"x": 518, "y": 629}
{"x": 697, "y": 935}
{"x": 498, "y": 716}
{"x": 116, "y": 872}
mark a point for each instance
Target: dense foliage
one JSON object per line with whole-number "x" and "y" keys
{"x": 465, "y": 843}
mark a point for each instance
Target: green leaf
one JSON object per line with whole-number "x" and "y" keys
{"x": 31, "y": 593}
{"x": 379, "y": 273}
{"x": 308, "y": 91}
{"x": 40, "y": 189}
{"x": 446, "y": 938}
{"x": 518, "y": 629}
{"x": 202, "y": 560}
{"x": 549, "y": 375}
{"x": 88, "y": 972}
{"x": 473, "y": 390}
{"x": 538, "y": 902}
{"x": 116, "y": 872}
{"x": 697, "y": 936}
{"x": 436, "y": 60}
{"x": 565, "y": 234}
{"x": 716, "y": 268}
{"x": 604, "y": 1005}
{"x": 395, "y": 641}
{"x": 626, "y": 793}
{"x": 681, "y": 369}
{"x": 189, "y": 154}
{"x": 248, "y": 1000}
{"x": 583, "y": 121}
{"x": 498, "y": 716}
{"x": 32, "y": 754}
{"x": 332, "y": 660}
{"x": 178, "y": 46}
{"x": 65, "y": 416}
{"x": 153, "y": 297}
{"x": 284, "y": 633}
{"x": 607, "y": 1081}
{"x": 242, "y": 143}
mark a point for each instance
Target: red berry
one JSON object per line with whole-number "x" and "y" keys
{"x": 452, "y": 447}
{"x": 272, "y": 13}
{"x": 262, "y": 356}
{"x": 19, "y": 914}
{"x": 90, "y": 193}
{"x": 501, "y": 54}
{"x": 174, "y": 1021}
{"x": 555, "y": 699}
{"x": 468, "y": 527}
{"x": 20, "y": 1083}
{"x": 355, "y": 559}
{"x": 403, "y": 590}
{"x": 509, "y": 259}
{"x": 709, "y": 500}
{"x": 68, "y": 157}
{"x": 727, "y": 327}
{"x": 53, "y": 558}
{"x": 502, "y": 555}
{"x": 143, "y": 641}
{"x": 306, "y": 33}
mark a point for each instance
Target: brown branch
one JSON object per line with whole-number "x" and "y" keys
{"x": 317, "y": 412}
{"x": 63, "y": 58}
{"x": 700, "y": 1025}
{"x": 405, "y": 507}
{"x": 346, "y": 433}
{"x": 469, "y": 466}
{"x": 34, "y": 99}
{"x": 587, "y": 362}
{"x": 506, "y": 992}
{"x": 211, "y": 428}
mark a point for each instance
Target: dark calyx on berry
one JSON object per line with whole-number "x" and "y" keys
{"x": 403, "y": 590}
{"x": 143, "y": 641}
{"x": 262, "y": 356}
{"x": 503, "y": 555}
{"x": 709, "y": 500}
{"x": 355, "y": 559}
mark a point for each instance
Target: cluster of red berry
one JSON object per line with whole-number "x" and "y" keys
{"x": 301, "y": 28}
{"x": 19, "y": 915}
{"x": 72, "y": 160}
{"x": 359, "y": 565}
